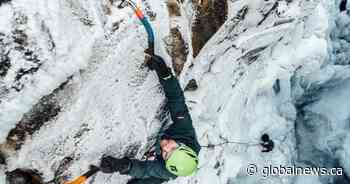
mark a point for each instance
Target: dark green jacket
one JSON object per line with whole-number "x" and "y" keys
{"x": 181, "y": 131}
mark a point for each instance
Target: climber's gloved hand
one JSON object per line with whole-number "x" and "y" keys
{"x": 110, "y": 164}
{"x": 155, "y": 62}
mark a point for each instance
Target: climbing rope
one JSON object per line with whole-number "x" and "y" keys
{"x": 210, "y": 145}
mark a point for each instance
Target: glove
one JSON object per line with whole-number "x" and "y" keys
{"x": 110, "y": 164}
{"x": 155, "y": 62}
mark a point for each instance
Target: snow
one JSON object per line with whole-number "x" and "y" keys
{"x": 2, "y": 175}
{"x": 5, "y": 13}
{"x": 11, "y": 111}
{"x": 112, "y": 104}
{"x": 69, "y": 58}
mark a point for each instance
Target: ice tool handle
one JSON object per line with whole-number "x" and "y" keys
{"x": 144, "y": 21}
{"x": 81, "y": 179}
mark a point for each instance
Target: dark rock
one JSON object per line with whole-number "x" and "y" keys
{"x": 2, "y": 159}
{"x": 276, "y": 86}
{"x": 66, "y": 161}
{"x": 233, "y": 27}
{"x": 51, "y": 45}
{"x": 24, "y": 176}
{"x": 116, "y": 25}
{"x": 22, "y": 72}
{"x": 33, "y": 60}
{"x": 173, "y": 8}
{"x": 267, "y": 14}
{"x": 210, "y": 15}
{"x": 191, "y": 86}
{"x": 46, "y": 109}
{"x": 283, "y": 21}
{"x": 217, "y": 165}
{"x": 5, "y": 64}
{"x": 342, "y": 5}
{"x": 4, "y": 1}
{"x": 177, "y": 49}
{"x": 64, "y": 84}
{"x": 151, "y": 15}
{"x": 29, "y": 54}
{"x": 83, "y": 129}
{"x": 20, "y": 38}
{"x": 252, "y": 55}
{"x": 132, "y": 150}
{"x": 87, "y": 21}
{"x": 20, "y": 18}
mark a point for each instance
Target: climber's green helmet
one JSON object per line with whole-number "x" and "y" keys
{"x": 183, "y": 161}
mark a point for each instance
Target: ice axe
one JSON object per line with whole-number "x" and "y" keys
{"x": 143, "y": 20}
{"x": 81, "y": 179}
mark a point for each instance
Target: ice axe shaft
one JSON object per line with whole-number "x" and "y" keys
{"x": 143, "y": 20}
{"x": 81, "y": 179}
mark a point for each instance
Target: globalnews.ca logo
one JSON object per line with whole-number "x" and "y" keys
{"x": 280, "y": 170}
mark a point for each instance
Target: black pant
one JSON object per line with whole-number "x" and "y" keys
{"x": 146, "y": 181}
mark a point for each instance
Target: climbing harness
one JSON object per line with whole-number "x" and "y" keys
{"x": 143, "y": 20}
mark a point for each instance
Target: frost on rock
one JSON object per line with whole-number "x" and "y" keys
{"x": 209, "y": 16}
{"x": 321, "y": 129}
{"x": 37, "y": 54}
{"x": 322, "y": 123}
{"x": 177, "y": 49}
{"x": 45, "y": 110}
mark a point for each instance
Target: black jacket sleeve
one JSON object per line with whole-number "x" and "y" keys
{"x": 175, "y": 98}
{"x": 182, "y": 127}
{"x": 150, "y": 169}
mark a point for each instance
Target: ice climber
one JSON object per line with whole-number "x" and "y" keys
{"x": 177, "y": 147}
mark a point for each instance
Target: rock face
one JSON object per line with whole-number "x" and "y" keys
{"x": 173, "y": 8}
{"x": 320, "y": 132}
{"x": 209, "y": 16}
{"x": 23, "y": 176}
{"x": 191, "y": 86}
{"x": 177, "y": 49}
{"x": 176, "y": 45}
{"x": 4, "y": 1}
{"x": 2, "y": 159}
{"x": 44, "y": 111}
{"x": 5, "y": 63}
{"x": 342, "y": 5}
